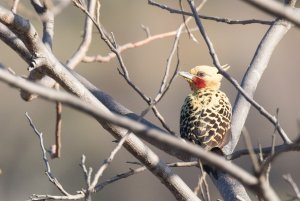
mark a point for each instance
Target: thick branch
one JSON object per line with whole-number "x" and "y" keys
{"x": 145, "y": 131}
{"x": 264, "y": 190}
{"x": 61, "y": 74}
{"x": 8, "y": 37}
{"x": 252, "y": 77}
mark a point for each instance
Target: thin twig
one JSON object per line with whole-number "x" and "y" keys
{"x": 266, "y": 165}
{"x": 81, "y": 51}
{"x": 212, "y": 18}
{"x": 78, "y": 196}
{"x": 58, "y": 125}
{"x": 202, "y": 184}
{"x": 123, "y": 69}
{"x": 264, "y": 151}
{"x": 176, "y": 164}
{"x": 87, "y": 173}
{"x": 250, "y": 149}
{"x": 45, "y": 159}
{"x": 121, "y": 48}
{"x": 15, "y": 6}
{"x": 288, "y": 178}
{"x": 107, "y": 162}
{"x": 139, "y": 170}
{"x": 118, "y": 177}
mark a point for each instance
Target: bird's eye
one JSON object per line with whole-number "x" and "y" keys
{"x": 201, "y": 74}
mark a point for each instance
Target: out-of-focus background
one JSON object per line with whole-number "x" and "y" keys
{"x": 20, "y": 155}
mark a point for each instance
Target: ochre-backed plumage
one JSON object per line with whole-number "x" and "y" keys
{"x": 206, "y": 113}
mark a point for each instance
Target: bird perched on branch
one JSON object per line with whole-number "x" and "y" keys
{"x": 206, "y": 113}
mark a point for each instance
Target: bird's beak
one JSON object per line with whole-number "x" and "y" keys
{"x": 186, "y": 75}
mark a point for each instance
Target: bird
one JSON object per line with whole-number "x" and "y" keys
{"x": 205, "y": 116}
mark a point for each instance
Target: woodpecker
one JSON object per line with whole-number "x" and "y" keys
{"x": 205, "y": 116}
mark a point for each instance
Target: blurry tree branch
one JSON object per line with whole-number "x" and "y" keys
{"x": 266, "y": 192}
{"x": 81, "y": 51}
{"x": 212, "y": 18}
{"x": 252, "y": 77}
{"x": 121, "y": 48}
{"x": 288, "y": 178}
{"x": 287, "y": 12}
{"x": 148, "y": 132}
{"x": 240, "y": 88}
{"x": 47, "y": 18}
{"x": 46, "y": 62}
{"x": 15, "y": 6}
{"x": 111, "y": 43}
{"x": 159, "y": 138}
{"x": 265, "y": 151}
{"x": 46, "y": 69}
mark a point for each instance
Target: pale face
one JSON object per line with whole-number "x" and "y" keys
{"x": 202, "y": 77}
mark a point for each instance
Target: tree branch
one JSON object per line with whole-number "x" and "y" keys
{"x": 61, "y": 74}
{"x": 112, "y": 45}
{"x": 81, "y": 51}
{"x": 46, "y": 162}
{"x": 240, "y": 89}
{"x": 148, "y": 132}
{"x": 277, "y": 9}
{"x": 212, "y": 18}
{"x": 265, "y": 191}
{"x": 251, "y": 79}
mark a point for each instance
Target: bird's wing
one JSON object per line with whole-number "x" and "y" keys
{"x": 214, "y": 125}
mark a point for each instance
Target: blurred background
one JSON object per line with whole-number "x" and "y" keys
{"x": 20, "y": 155}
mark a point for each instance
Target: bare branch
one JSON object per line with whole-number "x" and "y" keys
{"x": 48, "y": 172}
{"x": 81, "y": 51}
{"x": 47, "y": 18}
{"x": 250, "y": 149}
{"x": 139, "y": 170}
{"x": 164, "y": 85}
{"x": 87, "y": 173}
{"x": 52, "y": 67}
{"x": 264, "y": 190}
{"x": 212, "y": 18}
{"x": 234, "y": 82}
{"x": 265, "y": 151}
{"x": 67, "y": 80}
{"x": 149, "y": 133}
{"x": 251, "y": 79}
{"x": 127, "y": 46}
{"x": 277, "y": 9}
{"x": 107, "y": 162}
{"x": 36, "y": 197}
{"x": 15, "y": 6}
{"x": 58, "y": 144}
{"x": 118, "y": 177}
{"x": 202, "y": 185}
{"x": 123, "y": 69}
{"x": 288, "y": 178}
{"x": 12, "y": 40}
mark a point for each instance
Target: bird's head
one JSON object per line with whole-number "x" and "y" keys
{"x": 204, "y": 77}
